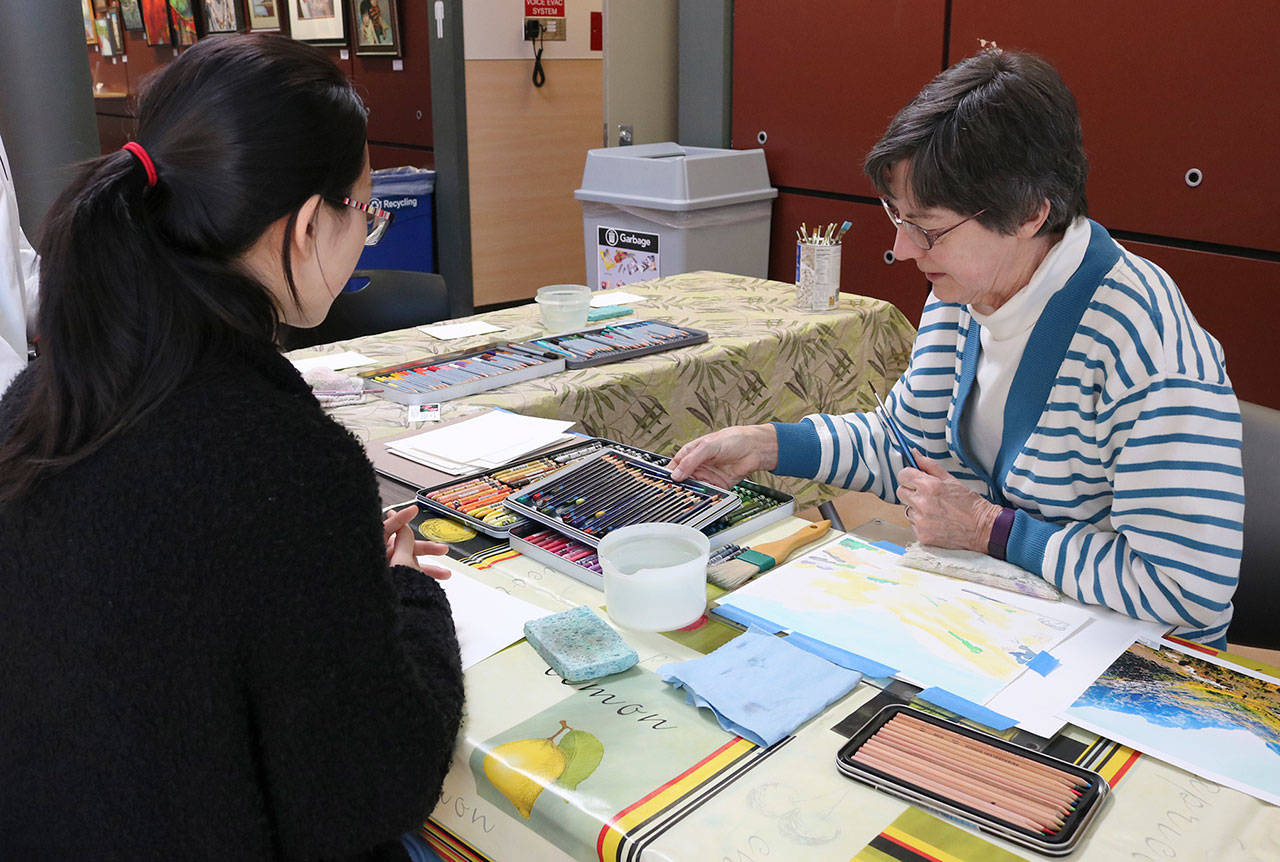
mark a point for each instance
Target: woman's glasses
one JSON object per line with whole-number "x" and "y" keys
{"x": 925, "y": 239}
{"x": 379, "y": 220}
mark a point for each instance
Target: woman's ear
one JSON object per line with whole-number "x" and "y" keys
{"x": 1031, "y": 226}
{"x": 304, "y": 229}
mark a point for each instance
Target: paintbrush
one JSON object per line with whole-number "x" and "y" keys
{"x": 749, "y": 562}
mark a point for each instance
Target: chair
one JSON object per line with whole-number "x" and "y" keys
{"x": 1257, "y": 600}
{"x": 393, "y": 299}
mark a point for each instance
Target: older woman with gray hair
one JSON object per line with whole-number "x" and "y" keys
{"x": 1066, "y": 411}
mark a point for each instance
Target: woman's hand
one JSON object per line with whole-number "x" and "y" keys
{"x": 723, "y": 457}
{"x": 404, "y": 550}
{"x": 942, "y": 511}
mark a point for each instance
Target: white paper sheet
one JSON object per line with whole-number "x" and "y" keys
{"x": 1035, "y": 701}
{"x": 1098, "y": 635}
{"x": 487, "y": 620}
{"x": 446, "y": 331}
{"x": 615, "y": 297}
{"x": 457, "y": 468}
{"x": 333, "y": 361}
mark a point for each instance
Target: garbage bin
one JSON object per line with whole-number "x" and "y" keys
{"x": 660, "y": 209}
{"x": 410, "y": 242}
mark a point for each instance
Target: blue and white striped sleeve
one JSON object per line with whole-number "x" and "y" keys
{"x": 858, "y": 450}
{"x": 1168, "y": 548}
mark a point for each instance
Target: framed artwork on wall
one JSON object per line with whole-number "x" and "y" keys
{"x": 103, "y": 28}
{"x": 222, "y": 16}
{"x": 182, "y": 18}
{"x": 131, "y": 12}
{"x": 265, "y": 14}
{"x": 90, "y": 28}
{"x": 320, "y": 22}
{"x": 155, "y": 21}
{"x": 116, "y": 30}
{"x": 376, "y": 24}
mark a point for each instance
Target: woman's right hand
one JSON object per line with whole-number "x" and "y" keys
{"x": 726, "y": 456}
{"x": 403, "y": 549}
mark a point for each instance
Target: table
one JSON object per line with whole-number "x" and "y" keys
{"x": 764, "y": 361}
{"x": 673, "y": 786}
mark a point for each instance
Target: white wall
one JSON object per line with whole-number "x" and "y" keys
{"x": 493, "y": 30}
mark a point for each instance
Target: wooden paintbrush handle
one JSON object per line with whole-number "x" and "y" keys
{"x": 782, "y": 548}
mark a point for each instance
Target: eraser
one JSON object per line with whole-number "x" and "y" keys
{"x": 604, "y": 312}
{"x": 579, "y": 645}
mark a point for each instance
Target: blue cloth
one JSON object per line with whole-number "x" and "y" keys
{"x": 759, "y": 686}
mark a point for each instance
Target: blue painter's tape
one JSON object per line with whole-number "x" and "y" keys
{"x": 967, "y": 708}
{"x": 844, "y": 658}
{"x": 1043, "y": 663}
{"x": 891, "y": 547}
{"x": 745, "y": 619}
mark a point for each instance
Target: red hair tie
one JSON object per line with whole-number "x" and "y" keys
{"x": 141, "y": 155}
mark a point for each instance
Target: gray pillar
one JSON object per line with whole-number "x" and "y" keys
{"x": 706, "y": 72}
{"x": 46, "y": 100}
{"x": 449, "y": 137}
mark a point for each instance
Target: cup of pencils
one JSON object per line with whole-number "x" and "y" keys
{"x": 818, "y": 266}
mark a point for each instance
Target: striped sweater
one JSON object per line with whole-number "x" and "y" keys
{"x": 1121, "y": 445}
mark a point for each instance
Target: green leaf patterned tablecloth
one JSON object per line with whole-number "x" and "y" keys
{"x": 764, "y": 361}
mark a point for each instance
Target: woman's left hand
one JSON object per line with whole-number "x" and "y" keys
{"x": 942, "y": 511}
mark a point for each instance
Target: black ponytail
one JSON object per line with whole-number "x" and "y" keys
{"x": 138, "y": 281}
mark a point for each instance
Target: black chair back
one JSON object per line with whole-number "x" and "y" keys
{"x": 1257, "y": 600}
{"x": 393, "y": 299}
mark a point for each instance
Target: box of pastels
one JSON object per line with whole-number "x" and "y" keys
{"x": 616, "y": 342}
{"x": 453, "y": 375}
{"x": 611, "y": 489}
{"x": 477, "y": 499}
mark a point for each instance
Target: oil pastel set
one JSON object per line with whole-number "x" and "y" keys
{"x": 477, "y": 499}
{"x": 617, "y": 342}
{"x": 1023, "y": 796}
{"x": 453, "y": 375}
{"x": 612, "y": 489}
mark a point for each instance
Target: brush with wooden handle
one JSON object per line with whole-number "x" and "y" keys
{"x": 749, "y": 562}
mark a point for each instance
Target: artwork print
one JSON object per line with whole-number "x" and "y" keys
{"x": 132, "y": 14}
{"x": 182, "y": 18}
{"x": 376, "y": 25}
{"x": 265, "y": 14}
{"x": 1195, "y": 711}
{"x": 222, "y": 16}
{"x": 320, "y": 22}
{"x": 155, "y": 21}
{"x": 90, "y": 29}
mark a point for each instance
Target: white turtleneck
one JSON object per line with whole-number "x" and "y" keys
{"x": 1004, "y": 336}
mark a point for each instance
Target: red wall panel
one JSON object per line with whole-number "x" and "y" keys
{"x": 862, "y": 265}
{"x": 400, "y": 101}
{"x": 1162, "y": 88}
{"x": 823, "y": 79}
{"x": 1235, "y": 298}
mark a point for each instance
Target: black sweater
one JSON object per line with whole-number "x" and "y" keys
{"x": 203, "y": 653}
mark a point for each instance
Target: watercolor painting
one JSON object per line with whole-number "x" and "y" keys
{"x": 1200, "y": 713}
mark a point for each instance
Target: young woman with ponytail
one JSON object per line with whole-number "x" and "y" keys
{"x": 210, "y": 646}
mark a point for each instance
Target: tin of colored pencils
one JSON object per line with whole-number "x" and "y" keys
{"x": 1023, "y": 796}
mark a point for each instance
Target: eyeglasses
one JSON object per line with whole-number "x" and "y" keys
{"x": 925, "y": 239}
{"x": 379, "y": 220}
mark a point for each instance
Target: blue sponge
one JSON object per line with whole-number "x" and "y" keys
{"x": 579, "y": 645}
